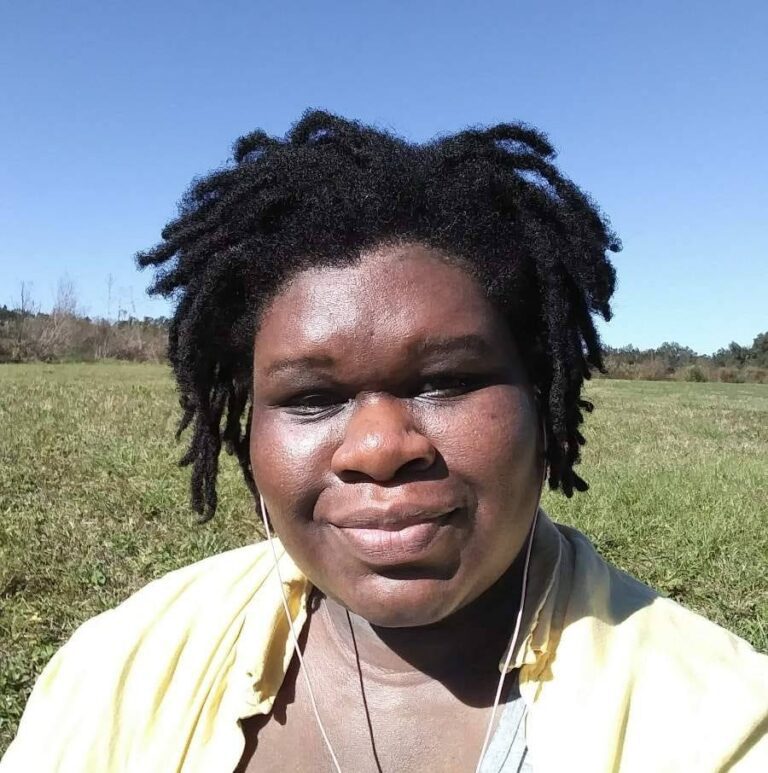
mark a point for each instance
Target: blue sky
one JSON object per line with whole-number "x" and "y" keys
{"x": 659, "y": 109}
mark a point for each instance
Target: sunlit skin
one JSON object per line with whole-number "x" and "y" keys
{"x": 397, "y": 445}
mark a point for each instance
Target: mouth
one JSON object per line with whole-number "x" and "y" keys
{"x": 397, "y": 539}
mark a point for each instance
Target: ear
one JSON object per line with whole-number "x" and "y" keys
{"x": 544, "y": 462}
{"x": 542, "y": 421}
{"x": 544, "y": 440}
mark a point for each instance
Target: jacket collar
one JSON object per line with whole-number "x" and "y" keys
{"x": 541, "y": 608}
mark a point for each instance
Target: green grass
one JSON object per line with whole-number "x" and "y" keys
{"x": 93, "y": 506}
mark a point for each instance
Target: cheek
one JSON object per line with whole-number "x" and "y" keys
{"x": 491, "y": 439}
{"x": 289, "y": 462}
{"x": 496, "y": 452}
{"x": 509, "y": 440}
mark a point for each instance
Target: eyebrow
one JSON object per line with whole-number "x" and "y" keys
{"x": 471, "y": 343}
{"x": 309, "y": 362}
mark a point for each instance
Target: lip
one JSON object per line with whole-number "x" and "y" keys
{"x": 391, "y": 518}
{"x": 395, "y": 536}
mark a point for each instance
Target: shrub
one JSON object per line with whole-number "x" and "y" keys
{"x": 654, "y": 370}
{"x": 756, "y": 375}
{"x": 694, "y": 373}
{"x": 730, "y": 375}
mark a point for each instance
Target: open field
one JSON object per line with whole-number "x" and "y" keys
{"x": 92, "y": 505}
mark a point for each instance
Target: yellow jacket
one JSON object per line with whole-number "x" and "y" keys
{"x": 615, "y": 678}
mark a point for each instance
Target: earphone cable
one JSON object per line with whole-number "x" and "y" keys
{"x": 289, "y": 618}
{"x": 512, "y": 644}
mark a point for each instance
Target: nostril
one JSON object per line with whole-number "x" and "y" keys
{"x": 418, "y": 465}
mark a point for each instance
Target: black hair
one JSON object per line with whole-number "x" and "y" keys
{"x": 333, "y": 188}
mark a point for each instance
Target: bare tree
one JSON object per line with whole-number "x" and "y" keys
{"x": 110, "y": 286}
{"x": 26, "y": 309}
{"x": 65, "y": 304}
{"x": 58, "y": 335}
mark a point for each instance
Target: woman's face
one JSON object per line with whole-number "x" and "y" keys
{"x": 395, "y": 437}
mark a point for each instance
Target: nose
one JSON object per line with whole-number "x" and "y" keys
{"x": 381, "y": 441}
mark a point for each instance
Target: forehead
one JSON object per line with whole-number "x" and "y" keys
{"x": 395, "y": 297}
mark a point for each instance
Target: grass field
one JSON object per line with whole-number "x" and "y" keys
{"x": 93, "y": 506}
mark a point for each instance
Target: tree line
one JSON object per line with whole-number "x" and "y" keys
{"x": 63, "y": 335}
{"x": 733, "y": 363}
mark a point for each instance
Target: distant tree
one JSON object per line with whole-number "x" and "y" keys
{"x": 673, "y": 355}
{"x": 629, "y": 354}
{"x": 734, "y": 356}
{"x": 758, "y": 353}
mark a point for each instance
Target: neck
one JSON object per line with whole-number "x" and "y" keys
{"x": 466, "y": 645}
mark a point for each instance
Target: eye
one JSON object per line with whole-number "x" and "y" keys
{"x": 438, "y": 387}
{"x": 314, "y": 403}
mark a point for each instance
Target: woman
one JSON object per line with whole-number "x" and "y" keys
{"x": 392, "y": 340}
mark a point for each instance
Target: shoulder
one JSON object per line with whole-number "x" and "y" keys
{"x": 194, "y": 595}
{"x": 671, "y": 684}
{"x": 170, "y": 608}
{"x": 638, "y": 622}
{"x": 148, "y": 662}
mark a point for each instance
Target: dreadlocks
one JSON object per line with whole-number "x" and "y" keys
{"x": 332, "y": 189}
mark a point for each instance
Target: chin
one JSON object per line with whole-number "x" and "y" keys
{"x": 403, "y": 602}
